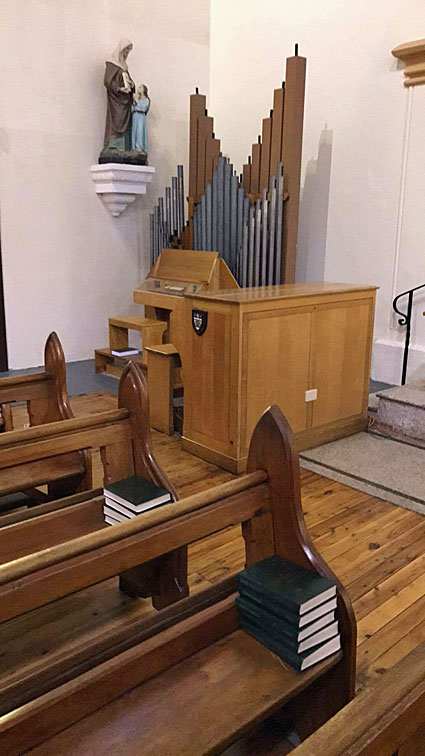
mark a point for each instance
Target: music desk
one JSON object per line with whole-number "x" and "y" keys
{"x": 305, "y": 347}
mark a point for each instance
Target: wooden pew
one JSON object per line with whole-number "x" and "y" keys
{"x": 188, "y": 681}
{"x": 386, "y": 719}
{"x": 47, "y": 401}
{"x": 123, "y": 437}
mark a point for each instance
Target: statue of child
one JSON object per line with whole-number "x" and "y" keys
{"x": 140, "y": 108}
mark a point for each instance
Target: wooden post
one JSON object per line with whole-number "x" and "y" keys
{"x": 292, "y": 137}
{"x": 160, "y": 386}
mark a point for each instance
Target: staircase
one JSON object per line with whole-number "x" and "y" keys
{"x": 400, "y": 413}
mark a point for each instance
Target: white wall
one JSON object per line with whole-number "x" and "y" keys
{"x": 354, "y": 224}
{"x": 67, "y": 263}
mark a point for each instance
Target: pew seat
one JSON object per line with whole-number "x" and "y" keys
{"x": 226, "y": 687}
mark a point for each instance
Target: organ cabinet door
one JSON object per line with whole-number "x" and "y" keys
{"x": 276, "y": 353}
{"x": 341, "y": 346}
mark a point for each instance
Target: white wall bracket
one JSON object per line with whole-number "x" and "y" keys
{"x": 118, "y": 184}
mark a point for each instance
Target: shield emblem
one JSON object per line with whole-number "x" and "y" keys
{"x": 199, "y": 321}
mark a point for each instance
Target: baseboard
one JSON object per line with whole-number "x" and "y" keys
{"x": 387, "y": 361}
{"x": 235, "y": 466}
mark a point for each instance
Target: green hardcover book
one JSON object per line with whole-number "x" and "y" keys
{"x": 281, "y": 631}
{"x": 282, "y": 612}
{"x": 287, "y": 584}
{"x": 136, "y": 494}
{"x": 299, "y": 662}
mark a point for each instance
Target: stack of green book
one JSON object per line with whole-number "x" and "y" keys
{"x": 290, "y": 610}
{"x": 129, "y": 497}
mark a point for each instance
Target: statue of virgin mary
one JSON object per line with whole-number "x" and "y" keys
{"x": 120, "y": 88}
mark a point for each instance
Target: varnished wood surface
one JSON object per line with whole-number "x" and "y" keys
{"x": 270, "y": 345}
{"x": 244, "y": 682}
{"x": 286, "y": 291}
{"x": 184, "y": 265}
{"x": 387, "y": 718}
{"x": 46, "y": 399}
{"x": 376, "y": 549}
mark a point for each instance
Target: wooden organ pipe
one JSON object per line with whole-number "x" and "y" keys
{"x": 292, "y": 134}
{"x": 197, "y": 109}
{"x": 265, "y": 152}
{"x": 255, "y": 168}
{"x": 276, "y": 130}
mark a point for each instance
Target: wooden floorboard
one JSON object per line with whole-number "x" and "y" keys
{"x": 375, "y": 548}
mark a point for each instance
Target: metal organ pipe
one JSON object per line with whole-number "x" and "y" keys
{"x": 245, "y": 229}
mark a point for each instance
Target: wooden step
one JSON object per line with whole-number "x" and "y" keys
{"x": 135, "y": 323}
{"x": 151, "y": 330}
{"x": 106, "y": 362}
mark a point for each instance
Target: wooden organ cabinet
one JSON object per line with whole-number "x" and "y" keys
{"x": 305, "y": 347}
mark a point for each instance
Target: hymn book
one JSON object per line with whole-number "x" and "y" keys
{"x": 284, "y": 583}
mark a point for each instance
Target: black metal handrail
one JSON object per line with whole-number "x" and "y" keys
{"x": 405, "y": 320}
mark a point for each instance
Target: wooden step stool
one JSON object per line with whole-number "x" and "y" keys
{"x": 152, "y": 333}
{"x": 164, "y": 378}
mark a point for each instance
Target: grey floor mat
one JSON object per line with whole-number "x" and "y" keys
{"x": 381, "y": 467}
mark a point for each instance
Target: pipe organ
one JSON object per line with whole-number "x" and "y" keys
{"x": 218, "y": 326}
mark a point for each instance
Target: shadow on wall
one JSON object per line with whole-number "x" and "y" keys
{"x": 313, "y": 218}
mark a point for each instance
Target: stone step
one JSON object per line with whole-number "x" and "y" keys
{"x": 401, "y": 411}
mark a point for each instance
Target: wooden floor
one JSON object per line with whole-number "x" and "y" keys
{"x": 375, "y": 548}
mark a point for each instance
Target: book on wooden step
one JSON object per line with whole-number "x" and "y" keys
{"x": 299, "y": 662}
{"x": 124, "y": 351}
{"x": 282, "y": 612}
{"x": 287, "y": 584}
{"x": 282, "y": 631}
{"x": 136, "y": 493}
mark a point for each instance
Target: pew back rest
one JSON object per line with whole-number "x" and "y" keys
{"x": 46, "y": 398}
{"x": 386, "y": 719}
{"x": 122, "y": 435}
{"x": 44, "y": 393}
